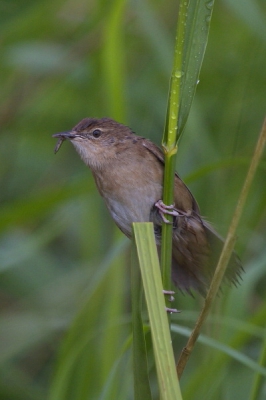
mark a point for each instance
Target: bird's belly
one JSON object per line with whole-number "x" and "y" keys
{"x": 129, "y": 209}
{"x": 130, "y": 199}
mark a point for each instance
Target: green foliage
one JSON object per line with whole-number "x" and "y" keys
{"x": 65, "y": 293}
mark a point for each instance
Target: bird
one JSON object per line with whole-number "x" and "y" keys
{"x": 128, "y": 171}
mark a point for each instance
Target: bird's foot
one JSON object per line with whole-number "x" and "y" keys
{"x": 170, "y": 293}
{"x": 164, "y": 209}
{"x": 171, "y": 298}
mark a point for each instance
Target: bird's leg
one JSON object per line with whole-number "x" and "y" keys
{"x": 164, "y": 209}
{"x": 171, "y": 298}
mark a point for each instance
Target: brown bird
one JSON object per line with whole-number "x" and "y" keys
{"x": 128, "y": 171}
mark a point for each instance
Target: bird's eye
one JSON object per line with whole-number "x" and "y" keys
{"x": 96, "y": 133}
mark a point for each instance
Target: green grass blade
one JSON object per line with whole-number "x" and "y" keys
{"x": 140, "y": 364}
{"x": 196, "y": 36}
{"x": 151, "y": 277}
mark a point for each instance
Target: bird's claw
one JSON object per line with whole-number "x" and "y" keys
{"x": 172, "y": 310}
{"x": 164, "y": 209}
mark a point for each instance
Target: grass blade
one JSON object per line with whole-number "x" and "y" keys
{"x": 152, "y": 283}
{"x": 140, "y": 364}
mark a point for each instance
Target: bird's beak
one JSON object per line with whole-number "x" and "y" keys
{"x": 65, "y": 135}
{"x": 61, "y": 137}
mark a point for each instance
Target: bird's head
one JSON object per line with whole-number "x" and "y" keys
{"x": 98, "y": 141}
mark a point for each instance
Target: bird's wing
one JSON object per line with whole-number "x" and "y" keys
{"x": 196, "y": 245}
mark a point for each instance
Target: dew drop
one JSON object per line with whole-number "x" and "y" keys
{"x": 178, "y": 74}
{"x": 209, "y": 5}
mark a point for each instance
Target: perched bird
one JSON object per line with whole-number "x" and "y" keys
{"x": 128, "y": 171}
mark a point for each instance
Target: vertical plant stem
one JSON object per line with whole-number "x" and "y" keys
{"x": 226, "y": 252}
{"x": 169, "y": 142}
{"x": 167, "y": 229}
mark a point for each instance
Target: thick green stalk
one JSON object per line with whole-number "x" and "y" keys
{"x": 166, "y": 249}
{"x": 169, "y": 142}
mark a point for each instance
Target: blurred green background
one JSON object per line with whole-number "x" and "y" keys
{"x": 64, "y": 288}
